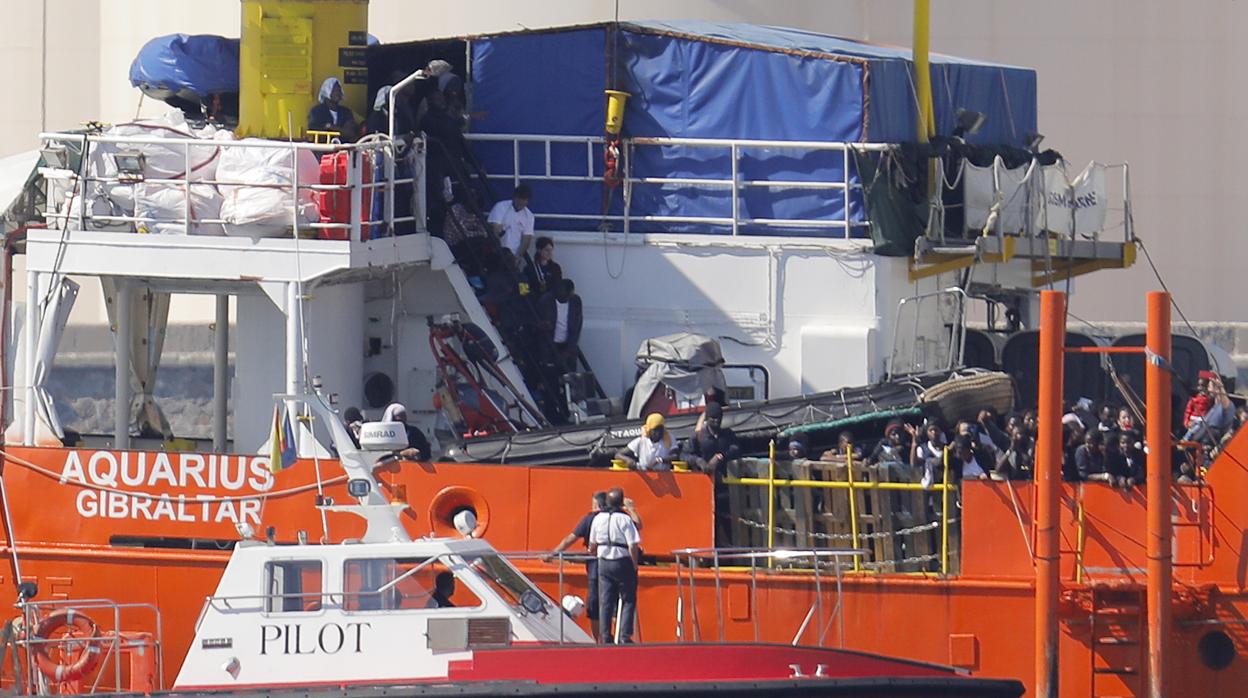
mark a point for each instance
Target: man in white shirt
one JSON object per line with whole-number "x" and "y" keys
{"x": 614, "y": 540}
{"x": 512, "y": 222}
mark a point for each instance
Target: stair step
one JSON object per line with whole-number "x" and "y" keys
{"x": 1120, "y": 671}
{"x": 1117, "y": 611}
{"x": 1119, "y": 641}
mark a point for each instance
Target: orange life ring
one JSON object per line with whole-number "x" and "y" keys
{"x": 446, "y": 503}
{"x": 85, "y": 631}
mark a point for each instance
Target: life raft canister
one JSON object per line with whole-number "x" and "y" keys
{"x": 87, "y": 636}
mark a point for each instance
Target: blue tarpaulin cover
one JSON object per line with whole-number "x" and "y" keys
{"x": 706, "y": 80}
{"x": 186, "y": 65}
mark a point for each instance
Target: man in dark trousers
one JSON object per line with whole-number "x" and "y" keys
{"x": 614, "y": 540}
{"x": 581, "y": 532}
{"x": 561, "y": 315}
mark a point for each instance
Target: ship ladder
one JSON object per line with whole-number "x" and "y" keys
{"x": 1116, "y": 641}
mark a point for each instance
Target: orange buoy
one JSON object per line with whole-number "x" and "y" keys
{"x": 77, "y": 647}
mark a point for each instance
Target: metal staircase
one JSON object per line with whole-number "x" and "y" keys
{"x": 533, "y": 351}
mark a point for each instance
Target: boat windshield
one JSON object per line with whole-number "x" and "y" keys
{"x": 507, "y": 582}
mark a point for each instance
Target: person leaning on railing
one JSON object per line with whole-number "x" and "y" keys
{"x": 713, "y": 446}
{"x": 655, "y": 449}
{"x": 330, "y": 115}
{"x": 927, "y": 450}
{"x": 1017, "y": 460}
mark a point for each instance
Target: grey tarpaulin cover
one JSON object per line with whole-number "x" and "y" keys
{"x": 689, "y": 364}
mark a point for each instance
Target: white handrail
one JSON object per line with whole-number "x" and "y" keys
{"x": 735, "y": 147}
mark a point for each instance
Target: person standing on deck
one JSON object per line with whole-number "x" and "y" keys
{"x": 597, "y": 505}
{"x": 614, "y": 540}
{"x": 562, "y": 315}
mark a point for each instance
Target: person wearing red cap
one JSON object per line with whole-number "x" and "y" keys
{"x": 892, "y": 448}
{"x": 1214, "y": 420}
{"x": 1200, "y": 403}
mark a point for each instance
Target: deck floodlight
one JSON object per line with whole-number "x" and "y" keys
{"x": 968, "y": 122}
{"x": 130, "y": 164}
{"x": 55, "y": 155}
{"x": 465, "y": 522}
{"x": 1033, "y": 140}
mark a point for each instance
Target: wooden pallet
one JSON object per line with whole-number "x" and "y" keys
{"x": 816, "y": 513}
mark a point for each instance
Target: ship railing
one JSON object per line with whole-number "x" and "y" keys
{"x": 843, "y": 184}
{"x": 78, "y": 184}
{"x": 561, "y": 558}
{"x": 941, "y": 487}
{"x": 112, "y": 643}
{"x": 1021, "y": 202}
{"x": 921, "y": 339}
{"x": 818, "y": 562}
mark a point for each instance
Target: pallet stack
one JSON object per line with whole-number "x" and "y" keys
{"x": 818, "y": 517}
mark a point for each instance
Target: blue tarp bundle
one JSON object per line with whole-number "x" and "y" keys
{"x": 722, "y": 81}
{"x": 188, "y": 66}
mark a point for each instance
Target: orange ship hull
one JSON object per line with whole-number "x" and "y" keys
{"x": 77, "y": 538}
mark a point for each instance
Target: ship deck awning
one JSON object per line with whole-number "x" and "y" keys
{"x": 190, "y": 263}
{"x": 1051, "y": 259}
{"x": 16, "y": 172}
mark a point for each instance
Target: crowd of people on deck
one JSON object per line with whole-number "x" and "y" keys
{"x": 514, "y": 272}
{"x": 1100, "y": 443}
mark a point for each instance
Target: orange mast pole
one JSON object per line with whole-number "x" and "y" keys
{"x": 1048, "y": 485}
{"x": 1157, "y": 409}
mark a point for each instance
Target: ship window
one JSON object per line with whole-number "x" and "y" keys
{"x": 507, "y": 582}
{"x": 293, "y": 586}
{"x": 402, "y": 584}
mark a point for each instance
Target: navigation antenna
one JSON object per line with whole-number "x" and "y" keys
{"x": 297, "y": 307}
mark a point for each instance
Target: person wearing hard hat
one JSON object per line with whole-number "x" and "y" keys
{"x": 655, "y": 449}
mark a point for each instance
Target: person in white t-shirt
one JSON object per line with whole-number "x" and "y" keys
{"x": 512, "y": 221}
{"x": 655, "y": 449}
{"x": 562, "y": 316}
{"x": 616, "y": 543}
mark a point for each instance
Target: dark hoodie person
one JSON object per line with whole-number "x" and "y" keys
{"x": 713, "y": 446}
{"x": 330, "y": 115}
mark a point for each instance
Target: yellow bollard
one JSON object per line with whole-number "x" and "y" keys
{"x": 615, "y": 111}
